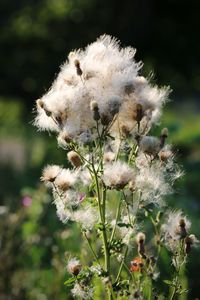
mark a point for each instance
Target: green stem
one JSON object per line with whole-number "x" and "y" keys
{"x": 102, "y": 217}
{"x": 121, "y": 265}
{"x": 91, "y": 248}
{"x": 173, "y": 294}
{"x": 116, "y": 219}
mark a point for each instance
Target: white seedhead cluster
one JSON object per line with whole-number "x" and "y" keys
{"x": 101, "y": 110}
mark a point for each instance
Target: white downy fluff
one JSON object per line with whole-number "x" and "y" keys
{"x": 66, "y": 106}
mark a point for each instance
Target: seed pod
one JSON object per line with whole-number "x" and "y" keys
{"x": 95, "y": 109}
{"x": 140, "y": 239}
{"x": 125, "y": 130}
{"x": 74, "y": 266}
{"x": 163, "y": 136}
{"x": 105, "y": 119}
{"x": 188, "y": 243}
{"x": 139, "y": 113}
{"x": 78, "y": 68}
{"x": 165, "y": 154}
{"x": 183, "y": 232}
{"x": 74, "y": 159}
{"x": 114, "y": 105}
{"x": 63, "y": 139}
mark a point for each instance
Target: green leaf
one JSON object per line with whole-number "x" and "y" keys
{"x": 120, "y": 224}
{"x": 168, "y": 282}
{"x": 70, "y": 281}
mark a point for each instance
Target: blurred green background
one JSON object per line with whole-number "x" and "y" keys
{"x": 35, "y": 38}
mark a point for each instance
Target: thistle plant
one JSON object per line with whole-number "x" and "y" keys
{"x": 102, "y": 110}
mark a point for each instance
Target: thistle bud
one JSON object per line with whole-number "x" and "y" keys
{"x": 74, "y": 266}
{"x": 132, "y": 185}
{"x": 149, "y": 145}
{"x": 139, "y": 113}
{"x": 105, "y": 119}
{"x": 50, "y": 173}
{"x": 163, "y": 136}
{"x": 140, "y": 240}
{"x": 63, "y": 139}
{"x": 78, "y": 68}
{"x": 165, "y": 154}
{"x": 74, "y": 159}
{"x": 190, "y": 241}
{"x": 95, "y": 109}
{"x": 183, "y": 232}
{"x": 109, "y": 156}
{"x": 114, "y": 105}
{"x": 125, "y": 130}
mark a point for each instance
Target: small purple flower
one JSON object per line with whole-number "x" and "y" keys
{"x": 26, "y": 201}
{"x": 81, "y": 197}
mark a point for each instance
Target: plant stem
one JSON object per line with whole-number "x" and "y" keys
{"x": 102, "y": 217}
{"x": 122, "y": 263}
{"x": 91, "y": 248}
{"x": 116, "y": 219}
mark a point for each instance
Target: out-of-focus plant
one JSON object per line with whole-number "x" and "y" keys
{"x": 102, "y": 110}
{"x": 32, "y": 252}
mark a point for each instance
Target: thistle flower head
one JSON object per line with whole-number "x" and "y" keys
{"x": 66, "y": 179}
{"x": 175, "y": 228}
{"x": 50, "y": 173}
{"x": 109, "y": 156}
{"x": 113, "y": 85}
{"x": 117, "y": 175}
{"x": 190, "y": 242}
{"x": 81, "y": 291}
{"x": 140, "y": 238}
{"x": 74, "y": 159}
{"x": 74, "y": 266}
{"x": 149, "y": 145}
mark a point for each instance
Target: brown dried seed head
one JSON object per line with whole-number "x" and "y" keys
{"x": 78, "y": 68}
{"x": 105, "y": 119}
{"x": 74, "y": 159}
{"x": 165, "y": 132}
{"x": 77, "y": 63}
{"x": 125, "y": 130}
{"x": 165, "y": 154}
{"x": 182, "y": 223}
{"x": 139, "y": 112}
{"x": 94, "y": 105}
{"x": 140, "y": 238}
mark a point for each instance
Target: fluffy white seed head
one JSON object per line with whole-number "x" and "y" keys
{"x": 82, "y": 292}
{"x": 66, "y": 179}
{"x": 74, "y": 266}
{"x": 50, "y": 173}
{"x": 102, "y": 76}
{"x": 175, "y": 228}
{"x": 117, "y": 175}
{"x": 149, "y": 145}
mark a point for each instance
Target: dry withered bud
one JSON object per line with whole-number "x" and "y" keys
{"x": 74, "y": 159}
{"x": 95, "y": 109}
{"x": 163, "y": 136}
{"x": 78, "y": 67}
